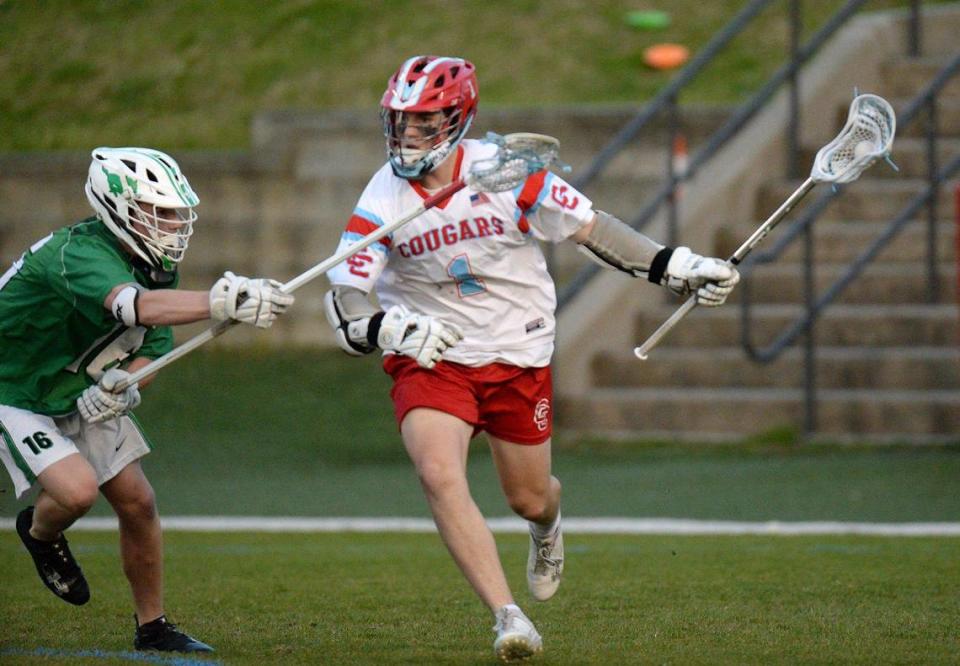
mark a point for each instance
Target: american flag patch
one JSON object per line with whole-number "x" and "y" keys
{"x": 535, "y": 324}
{"x": 479, "y": 198}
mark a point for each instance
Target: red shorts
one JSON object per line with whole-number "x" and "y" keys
{"x": 510, "y": 403}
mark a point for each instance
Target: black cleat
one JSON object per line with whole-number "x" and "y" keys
{"x": 55, "y": 564}
{"x": 165, "y": 637}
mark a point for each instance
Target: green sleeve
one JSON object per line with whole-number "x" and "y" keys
{"x": 157, "y": 342}
{"x": 84, "y": 274}
{"x": 159, "y": 339}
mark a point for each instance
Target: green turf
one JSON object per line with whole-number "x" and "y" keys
{"x": 397, "y": 599}
{"x": 311, "y": 433}
{"x": 188, "y": 74}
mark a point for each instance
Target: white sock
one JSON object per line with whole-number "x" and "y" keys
{"x": 542, "y": 531}
{"x": 509, "y": 607}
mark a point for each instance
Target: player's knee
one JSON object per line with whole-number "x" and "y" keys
{"x": 528, "y": 505}
{"x": 79, "y": 498}
{"x": 439, "y": 480}
{"x": 141, "y": 507}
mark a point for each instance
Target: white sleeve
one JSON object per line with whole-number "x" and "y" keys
{"x": 552, "y": 208}
{"x": 362, "y": 269}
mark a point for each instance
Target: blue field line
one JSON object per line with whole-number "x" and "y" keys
{"x": 145, "y": 657}
{"x": 600, "y": 525}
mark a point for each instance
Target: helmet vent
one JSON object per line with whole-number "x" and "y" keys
{"x": 454, "y": 71}
{"x": 440, "y": 81}
{"x": 130, "y": 165}
{"x": 152, "y": 176}
{"x": 164, "y": 162}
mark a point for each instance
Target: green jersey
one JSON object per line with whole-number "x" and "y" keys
{"x": 56, "y": 336}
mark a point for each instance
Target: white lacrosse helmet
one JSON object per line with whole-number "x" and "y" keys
{"x": 428, "y": 84}
{"x": 127, "y": 186}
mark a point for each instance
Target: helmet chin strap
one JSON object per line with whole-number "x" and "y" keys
{"x": 433, "y": 159}
{"x": 160, "y": 276}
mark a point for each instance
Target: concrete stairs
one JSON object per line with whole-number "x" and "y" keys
{"x": 887, "y": 355}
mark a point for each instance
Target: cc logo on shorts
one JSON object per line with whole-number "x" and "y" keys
{"x": 541, "y": 414}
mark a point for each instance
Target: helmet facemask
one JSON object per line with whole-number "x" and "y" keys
{"x": 417, "y": 146}
{"x": 164, "y": 232}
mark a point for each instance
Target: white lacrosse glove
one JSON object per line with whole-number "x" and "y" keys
{"x": 420, "y": 337}
{"x": 711, "y": 279}
{"x": 101, "y": 402}
{"x": 250, "y": 301}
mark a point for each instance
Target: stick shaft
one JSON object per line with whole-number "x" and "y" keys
{"x": 772, "y": 221}
{"x": 761, "y": 232}
{"x": 651, "y": 342}
{"x": 297, "y": 282}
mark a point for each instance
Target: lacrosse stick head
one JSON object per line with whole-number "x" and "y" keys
{"x": 518, "y": 156}
{"x": 867, "y": 137}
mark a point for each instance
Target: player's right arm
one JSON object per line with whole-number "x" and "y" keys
{"x": 251, "y": 301}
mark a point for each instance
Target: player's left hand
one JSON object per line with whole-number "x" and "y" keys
{"x": 420, "y": 337}
{"x": 710, "y": 278}
{"x": 102, "y": 401}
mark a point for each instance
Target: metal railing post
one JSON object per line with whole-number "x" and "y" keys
{"x": 809, "y": 342}
{"x": 793, "y": 138}
{"x": 913, "y": 30}
{"x": 933, "y": 278}
{"x": 956, "y": 234}
{"x": 673, "y": 213}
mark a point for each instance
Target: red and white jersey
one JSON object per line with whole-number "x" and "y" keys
{"x": 473, "y": 260}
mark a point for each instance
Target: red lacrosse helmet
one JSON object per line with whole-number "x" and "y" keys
{"x": 427, "y": 84}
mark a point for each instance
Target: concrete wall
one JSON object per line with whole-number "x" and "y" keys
{"x": 279, "y": 208}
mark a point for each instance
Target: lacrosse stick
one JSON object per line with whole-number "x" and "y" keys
{"x": 518, "y": 156}
{"x": 867, "y": 136}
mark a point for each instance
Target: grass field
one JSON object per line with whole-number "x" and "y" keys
{"x": 397, "y": 599}
{"x": 191, "y": 74}
{"x": 310, "y": 433}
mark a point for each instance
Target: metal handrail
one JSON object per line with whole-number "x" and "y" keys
{"x": 717, "y": 140}
{"x": 813, "y": 212}
{"x": 814, "y": 306}
{"x": 772, "y": 351}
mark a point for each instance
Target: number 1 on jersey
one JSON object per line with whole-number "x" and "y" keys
{"x": 468, "y": 284}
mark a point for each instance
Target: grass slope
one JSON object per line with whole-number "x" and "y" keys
{"x": 189, "y": 74}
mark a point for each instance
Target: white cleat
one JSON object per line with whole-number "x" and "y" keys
{"x": 545, "y": 564}
{"x": 517, "y": 638}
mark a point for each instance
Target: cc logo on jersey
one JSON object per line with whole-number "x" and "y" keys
{"x": 356, "y": 263}
{"x": 559, "y": 194}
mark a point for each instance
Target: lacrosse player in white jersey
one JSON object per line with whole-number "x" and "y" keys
{"x": 467, "y": 321}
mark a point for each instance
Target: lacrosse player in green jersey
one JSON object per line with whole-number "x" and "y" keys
{"x": 78, "y": 304}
